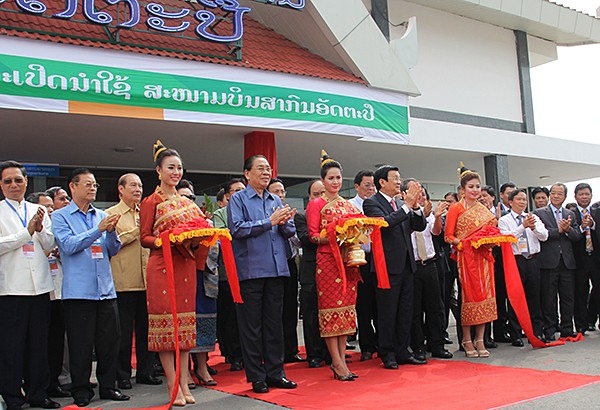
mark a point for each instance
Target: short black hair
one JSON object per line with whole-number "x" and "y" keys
{"x": 12, "y": 164}
{"x": 52, "y": 191}
{"x": 426, "y": 193}
{"x": 571, "y": 206}
{"x": 405, "y": 182}
{"x": 581, "y": 186}
{"x": 361, "y": 174}
{"x": 311, "y": 184}
{"x": 74, "y": 177}
{"x": 274, "y": 181}
{"x": 539, "y": 189}
{"x": 517, "y": 191}
{"x": 506, "y": 185}
{"x": 382, "y": 173}
{"x": 454, "y": 194}
{"x": 221, "y": 195}
{"x": 232, "y": 181}
{"x": 250, "y": 161}
{"x": 35, "y": 197}
{"x": 328, "y": 165}
{"x": 489, "y": 189}
{"x": 185, "y": 183}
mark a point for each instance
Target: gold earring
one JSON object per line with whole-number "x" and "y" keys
{"x": 159, "y": 177}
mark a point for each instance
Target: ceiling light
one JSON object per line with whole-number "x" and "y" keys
{"x": 124, "y": 149}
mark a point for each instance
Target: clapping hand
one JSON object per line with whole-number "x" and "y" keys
{"x": 281, "y": 215}
{"x": 587, "y": 221}
{"x": 36, "y": 223}
{"x": 564, "y": 225}
{"x": 440, "y": 208}
{"x": 412, "y": 195}
{"x": 109, "y": 223}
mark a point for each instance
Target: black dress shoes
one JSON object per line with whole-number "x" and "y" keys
{"x": 582, "y": 330}
{"x": 490, "y": 344}
{"x": 390, "y": 364}
{"x": 58, "y": 391}
{"x": 294, "y": 359}
{"x": 47, "y": 403}
{"x": 124, "y": 384}
{"x": 211, "y": 371}
{"x": 518, "y": 343}
{"x": 420, "y": 354}
{"x": 260, "y": 387}
{"x": 282, "y": 383}
{"x": 236, "y": 366}
{"x": 550, "y": 338}
{"x": 113, "y": 394}
{"x": 314, "y": 363}
{"x": 441, "y": 354}
{"x": 447, "y": 341}
{"x": 151, "y": 380}
{"x": 503, "y": 338}
{"x": 350, "y": 347}
{"x": 366, "y": 356}
{"x": 412, "y": 360}
{"x": 591, "y": 328}
{"x": 568, "y": 334}
{"x": 13, "y": 407}
{"x": 81, "y": 401}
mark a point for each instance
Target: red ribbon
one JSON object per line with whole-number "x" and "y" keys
{"x": 231, "y": 270}
{"x": 335, "y": 250}
{"x": 383, "y": 279}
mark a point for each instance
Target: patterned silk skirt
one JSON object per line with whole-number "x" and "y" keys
{"x": 161, "y": 334}
{"x": 337, "y": 312}
{"x": 478, "y": 290}
{"x": 206, "y": 318}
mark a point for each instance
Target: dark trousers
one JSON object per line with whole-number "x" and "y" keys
{"x": 290, "y": 310}
{"x": 92, "y": 323}
{"x": 133, "y": 314}
{"x": 366, "y": 310}
{"x": 314, "y": 344}
{"x": 394, "y": 316}
{"x": 587, "y": 305}
{"x": 261, "y": 329}
{"x": 428, "y": 302}
{"x": 24, "y": 322}
{"x": 450, "y": 303}
{"x": 531, "y": 279}
{"x": 500, "y": 324}
{"x": 227, "y": 325}
{"x": 559, "y": 280}
{"x": 56, "y": 341}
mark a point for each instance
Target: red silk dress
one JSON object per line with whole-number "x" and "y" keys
{"x": 337, "y": 312}
{"x": 475, "y": 266}
{"x": 157, "y": 214}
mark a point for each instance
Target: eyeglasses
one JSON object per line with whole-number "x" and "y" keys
{"x": 9, "y": 181}
{"x": 64, "y": 198}
{"x": 264, "y": 169}
{"x": 395, "y": 179}
{"x": 190, "y": 197}
{"x": 279, "y": 191}
{"x": 89, "y": 185}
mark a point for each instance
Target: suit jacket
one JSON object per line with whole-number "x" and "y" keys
{"x": 558, "y": 243}
{"x": 397, "y": 245}
{"x": 308, "y": 262}
{"x": 581, "y": 258}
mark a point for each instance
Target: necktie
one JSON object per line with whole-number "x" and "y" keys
{"x": 421, "y": 249}
{"x": 393, "y": 203}
{"x": 524, "y": 253}
{"x": 589, "y": 247}
{"x": 288, "y": 249}
{"x": 558, "y": 215}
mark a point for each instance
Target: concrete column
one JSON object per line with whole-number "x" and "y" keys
{"x": 525, "y": 82}
{"x": 496, "y": 171}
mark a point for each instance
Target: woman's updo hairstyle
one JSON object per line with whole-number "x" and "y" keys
{"x": 161, "y": 152}
{"x": 465, "y": 175}
{"x": 327, "y": 163}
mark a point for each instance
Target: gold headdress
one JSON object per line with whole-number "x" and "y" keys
{"x": 462, "y": 170}
{"x": 325, "y": 158}
{"x": 158, "y": 148}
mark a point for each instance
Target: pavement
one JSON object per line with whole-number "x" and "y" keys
{"x": 579, "y": 358}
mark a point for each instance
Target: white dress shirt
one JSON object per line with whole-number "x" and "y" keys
{"x": 427, "y": 237}
{"x": 509, "y": 224}
{"x": 357, "y": 201}
{"x": 22, "y": 275}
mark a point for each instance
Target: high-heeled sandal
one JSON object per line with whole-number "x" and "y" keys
{"x": 189, "y": 399}
{"x": 345, "y": 378}
{"x": 206, "y": 382}
{"x": 180, "y": 400}
{"x": 483, "y": 352}
{"x": 470, "y": 353}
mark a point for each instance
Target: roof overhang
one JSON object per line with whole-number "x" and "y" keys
{"x": 540, "y": 18}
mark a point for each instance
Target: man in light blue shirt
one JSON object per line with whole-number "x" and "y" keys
{"x": 87, "y": 239}
{"x": 260, "y": 227}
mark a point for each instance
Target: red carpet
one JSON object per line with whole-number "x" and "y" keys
{"x": 451, "y": 384}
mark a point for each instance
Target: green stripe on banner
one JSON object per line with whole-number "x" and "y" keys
{"x": 33, "y": 77}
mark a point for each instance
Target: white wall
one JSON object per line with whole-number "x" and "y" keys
{"x": 464, "y": 65}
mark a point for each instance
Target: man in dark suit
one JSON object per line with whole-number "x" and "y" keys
{"x": 395, "y": 305}
{"x": 316, "y": 350}
{"x": 557, "y": 262}
{"x": 588, "y": 263}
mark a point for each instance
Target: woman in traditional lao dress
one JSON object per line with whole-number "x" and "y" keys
{"x": 475, "y": 266}
{"x": 337, "y": 313}
{"x": 160, "y": 212}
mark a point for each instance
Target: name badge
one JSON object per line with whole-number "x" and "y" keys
{"x": 522, "y": 244}
{"x": 53, "y": 266}
{"x": 28, "y": 250}
{"x": 97, "y": 250}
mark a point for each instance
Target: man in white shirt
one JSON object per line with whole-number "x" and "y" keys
{"x": 366, "y": 305}
{"x": 529, "y": 230}
{"x": 25, "y": 286}
{"x": 427, "y": 296}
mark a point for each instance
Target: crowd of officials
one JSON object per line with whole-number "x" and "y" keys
{"x": 77, "y": 283}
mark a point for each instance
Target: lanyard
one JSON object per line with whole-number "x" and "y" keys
{"x": 518, "y": 220}
{"x": 23, "y": 220}
{"x": 85, "y": 221}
